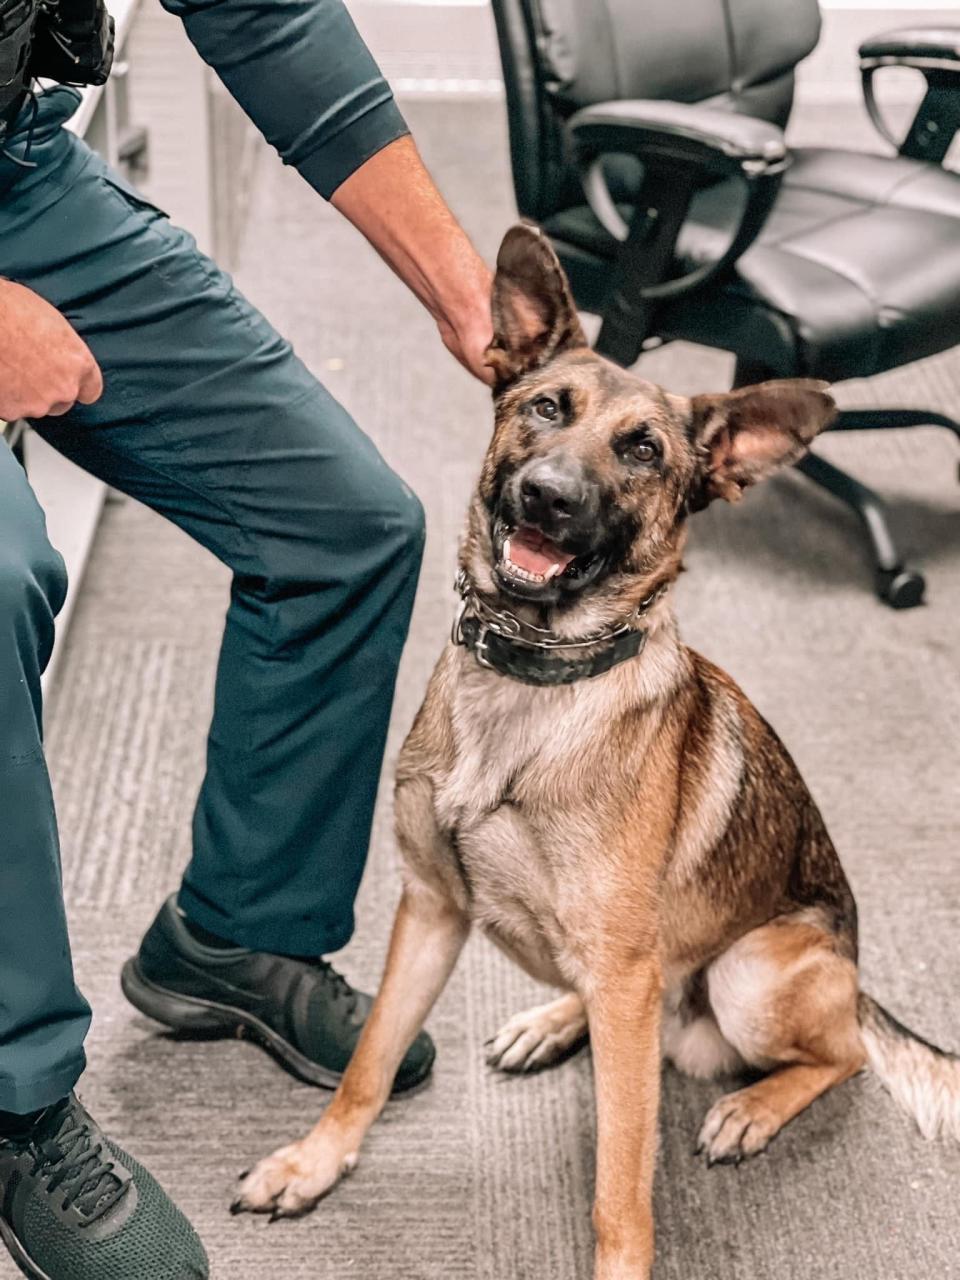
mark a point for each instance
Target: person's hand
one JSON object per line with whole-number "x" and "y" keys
{"x": 45, "y": 368}
{"x": 467, "y": 328}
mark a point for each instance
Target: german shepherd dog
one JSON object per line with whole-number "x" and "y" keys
{"x": 640, "y": 838}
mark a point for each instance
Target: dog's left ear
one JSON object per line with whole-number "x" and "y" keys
{"x": 746, "y": 434}
{"x": 534, "y": 315}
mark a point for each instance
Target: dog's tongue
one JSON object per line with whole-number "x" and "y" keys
{"x": 530, "y": 550}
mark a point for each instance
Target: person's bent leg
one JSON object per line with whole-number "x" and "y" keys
{"x": 43, "y": 1018}
{"x": 314, "y": 634}
{"x": 235, "y": 441}
{"x": 209, "y": 417}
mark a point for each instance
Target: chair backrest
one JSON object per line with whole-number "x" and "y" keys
{"x": 561, "y": 55}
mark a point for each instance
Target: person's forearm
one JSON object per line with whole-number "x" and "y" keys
{"x": 301, "y": 71}
{"x": 304, "y": 76}
{"x": 393, "y": 201}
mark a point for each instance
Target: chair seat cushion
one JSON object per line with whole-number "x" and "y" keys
{"x": 856, "y": 270}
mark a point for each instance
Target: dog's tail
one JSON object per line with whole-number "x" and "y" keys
{"x": 923, "y": 1079}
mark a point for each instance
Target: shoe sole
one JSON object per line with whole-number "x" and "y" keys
{"x": 192, "y": 1014}
{"x": 18, "y": 1253}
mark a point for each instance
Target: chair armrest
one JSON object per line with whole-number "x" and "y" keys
{"x": 682, "y": 147}
{"x": 718, "y": 141}
{"x": 934, "y": 51}
{"x": 907, "y": 44}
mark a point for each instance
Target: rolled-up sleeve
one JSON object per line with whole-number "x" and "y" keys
{"x": 304, "y": 77}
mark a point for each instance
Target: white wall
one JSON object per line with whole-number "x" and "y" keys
{"x": 422, "y": 52}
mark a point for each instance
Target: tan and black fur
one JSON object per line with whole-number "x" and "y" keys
{"x": 641, "y": 841}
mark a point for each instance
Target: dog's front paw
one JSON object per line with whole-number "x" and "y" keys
{"x": 538, "y": 1037}
{"x": 291, "y": 1181}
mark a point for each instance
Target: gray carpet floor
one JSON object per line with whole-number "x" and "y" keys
{"x": 479, "y": 1177}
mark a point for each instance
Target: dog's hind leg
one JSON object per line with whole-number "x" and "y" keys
{"x": 540, "y": 1036}
{"x": 785, "y": 997}
{"x": 428, "y": 935}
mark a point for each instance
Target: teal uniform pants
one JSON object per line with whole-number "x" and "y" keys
{"x": 208, "y": 417}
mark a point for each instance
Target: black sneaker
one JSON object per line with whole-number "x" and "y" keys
{"x": 302, "y": 1011}
{"x": 73, "y": 1206}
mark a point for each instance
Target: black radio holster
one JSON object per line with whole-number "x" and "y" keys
{"x": 17, "y": 22}
{"x": 70, "y": 41}
{"x": 73, "y": 42}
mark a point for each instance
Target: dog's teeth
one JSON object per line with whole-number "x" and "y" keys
{"x": 551, "y": 572}
{"x": 516, "y": 571}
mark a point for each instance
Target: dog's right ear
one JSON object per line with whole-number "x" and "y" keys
{"x": 534, "y": 315}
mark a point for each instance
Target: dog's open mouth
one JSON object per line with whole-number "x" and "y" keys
{"x": 528, "y": 563}
{"x": 529, "y": 555}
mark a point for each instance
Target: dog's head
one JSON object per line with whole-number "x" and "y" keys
{"x": 590, "y": 475}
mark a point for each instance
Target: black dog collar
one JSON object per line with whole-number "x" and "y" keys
{"x": 497, "y": 642}
{"x": 522, "y": 661}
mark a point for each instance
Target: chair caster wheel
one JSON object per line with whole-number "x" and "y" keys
{"x": 900, "y": 588}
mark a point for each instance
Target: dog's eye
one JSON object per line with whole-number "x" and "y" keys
{"x": 637, "y": 446}
{"x": 546, "y": 407}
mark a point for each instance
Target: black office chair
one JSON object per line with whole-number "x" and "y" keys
{"x": 646, "y": 140}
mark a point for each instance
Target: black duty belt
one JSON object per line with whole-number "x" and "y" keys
{"x": 17, "y": 22}
{"x": 69, "y": 41}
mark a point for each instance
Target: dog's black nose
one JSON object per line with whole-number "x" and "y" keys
{"x": 551, "y": 493}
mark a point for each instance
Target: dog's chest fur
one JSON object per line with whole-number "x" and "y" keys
{"x": 508, "y": 734}
{"x": 514, "y": 808}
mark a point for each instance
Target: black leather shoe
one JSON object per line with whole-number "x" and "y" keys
{"x": 74, "y": 1206}
{"x": 302, "y": 1011}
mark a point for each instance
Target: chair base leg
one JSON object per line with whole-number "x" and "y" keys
{"x": 896, "y": 585}
{"x": 883, "y": 419}
{"x": 900, "y": 588}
